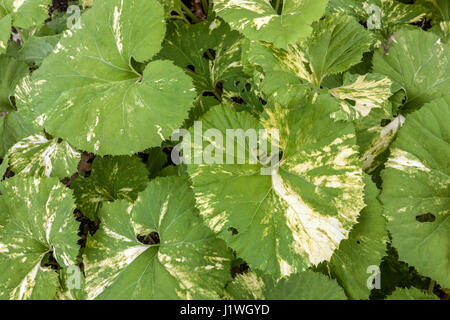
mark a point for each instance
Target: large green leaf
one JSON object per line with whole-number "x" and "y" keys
{"x": 208, "y": 51}
{"x": 416, "y": 191}
{"x": 259, "y": 20}
{"x": 120, "y": 177}
{"x": 306, "y": 285}
{"x": 181, "y": 259}
{"x": 38, "y": 156}
{"x": 88, "y": 92}
{"x": 419, "y": 62}
{"x": 365, "y": 247}
{"x": 39, "y": 222}
{"x": 297, "y": 215}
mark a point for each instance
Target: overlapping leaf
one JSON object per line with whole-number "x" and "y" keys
{"x": 337, "y": 43}
{"x": 181, "y": 259}
{"x": 208, "y": 51}
{"x": 112, "y": 178}
{"x": 419, "y": 62}
{"x": 38, "y": 156}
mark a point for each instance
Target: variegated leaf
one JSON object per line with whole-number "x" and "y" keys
{"x": 366, "y": 92}
{"x": 157, "y": 248}
{"x": 298, "y": 213}
{"x": 419, "y": 62}
{"x": 119, "y": 177}
{"x": 89, "y": 93}
{"x": 211, "y": 52}
{"x": 337, "y": 43}
{"x": 39, "y": 223}
{"x": 259, "y": 20}
{"x": 38, "y": 156}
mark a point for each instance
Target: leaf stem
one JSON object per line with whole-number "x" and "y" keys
{"x": 189, "y": 12}
{"x": 205, "y": 6}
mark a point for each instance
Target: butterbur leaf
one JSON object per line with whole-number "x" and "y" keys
{"x": 410, "y": 294}
{"x": 296, "y": 212}
{"x": 259, "y": 20}
{"x": 38, "y": 156}
{"x": 12, "y": 72}
{"x": 88, "y": 93}
{"x": 112, "y": 178}
{"x": 39, "y": 224}
{"x": 416, "y": 191}
{"x": 419, "y": 62}
{"x": 157, "y": 248}
{"x": 364, "y": 248}
{"x": 210, "y": 52}
{"x": 366, "y": 92}
{"x": 25, "y": 13}
{"x": 306, "y": 285}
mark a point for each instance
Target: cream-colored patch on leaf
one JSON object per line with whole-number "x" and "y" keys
{"x": 315, "y": 234}
{"x": 382, "y": 141}
{"x": 402, "y": 160}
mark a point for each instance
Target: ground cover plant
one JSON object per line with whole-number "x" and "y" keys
{"x": 224, "y": 149}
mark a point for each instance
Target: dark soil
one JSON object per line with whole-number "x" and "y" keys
{"x": 58, "y": 5}
{"x": 84, "y": 168}
{"x": 241, "y": 269}
{"x": 86, "y": 227}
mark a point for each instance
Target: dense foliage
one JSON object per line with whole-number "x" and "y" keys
{"x": 94, "y": 206}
